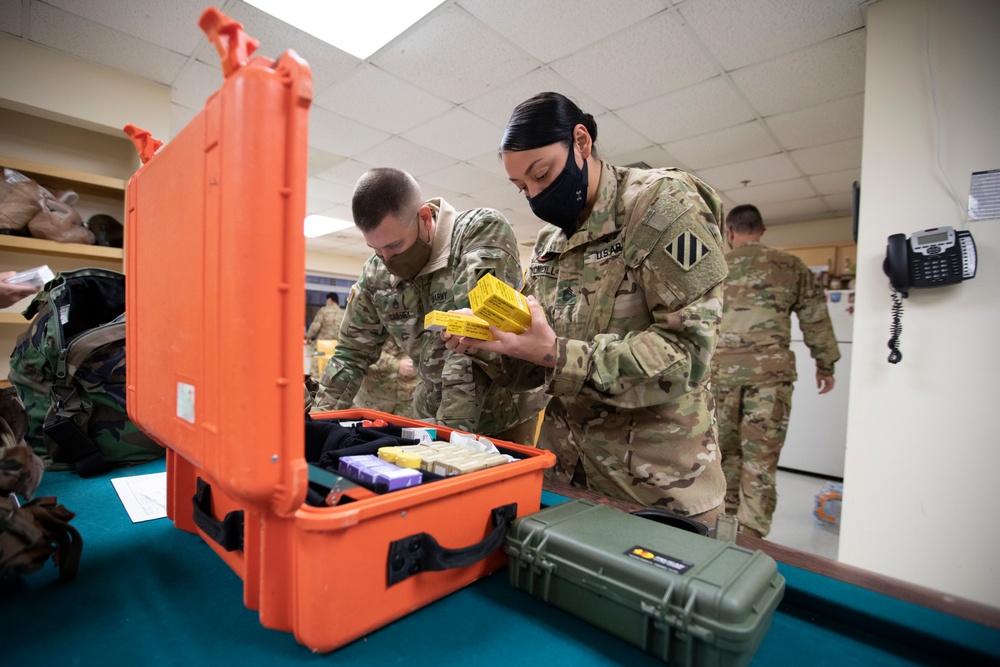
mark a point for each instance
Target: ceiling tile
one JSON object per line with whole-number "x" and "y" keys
{"x": 10, "y": 17}
{"x": 769, "y": 193}
{"x": 702, "y": 108}
{"x": 614, "y": 137}
{"x": 380, "y": 100}
{"x": 586, "y": 21}
{"x": 768, "y": 169}
{"x": 346, "y": 171}
{"x": 641, "y": 62}
{"x": 467, "y": 203}
{"x": 179, "y": 118}
{"x": 843, "y": 203}
{"x": 497, "y": 104}
{"x": 822, "y": 124}
{"x": 502, "y": 198}
{"x": 91, "y": 41}
{"x": 406, "y": 155}
{"x": 831, "y": 157}
{"x": 742, "y": 33}
{"x": 654, "y": 156}
{"x": 775, "y": 213}
{"x": 431, "y": 191}
{"x": 490, "y": 163}
{"x": 827, "y": 71}
{"x": 458, "y": 133}
{"x": 837, "y": 182}
{"x": 327, "y": 62}
{"x": 194, "y": 84}
{"x": 320, "y": 161}
{"x": 733, "y": 144}
{"x": 329, "y": 191}
{"x": 454, "y": 56}
{"x": 341, "y": 135}
{"x": 465, "y": 178}
{"x": 152, "y": 21}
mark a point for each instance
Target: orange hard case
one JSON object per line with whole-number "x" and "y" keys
{"x": 215, "y": 276}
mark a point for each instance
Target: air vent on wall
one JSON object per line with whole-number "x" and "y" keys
{"x": 638, "y": 165}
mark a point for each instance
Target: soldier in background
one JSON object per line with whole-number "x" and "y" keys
{"x": 325, "y": 325}
{"x": 428, "y": 256}
{"x": 753, "y": 368}
{"x": 389, "y": 383}
{"x": 625, "y": 292}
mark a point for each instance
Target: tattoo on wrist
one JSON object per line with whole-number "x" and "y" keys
{"x": 547, "y": 357}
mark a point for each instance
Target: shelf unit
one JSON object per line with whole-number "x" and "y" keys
{"x": 98, "y": 194}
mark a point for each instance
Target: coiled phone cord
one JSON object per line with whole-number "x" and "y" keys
{"x": 896, "y": 328}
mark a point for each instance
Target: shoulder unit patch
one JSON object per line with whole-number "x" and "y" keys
{"x": 687, "y": 250}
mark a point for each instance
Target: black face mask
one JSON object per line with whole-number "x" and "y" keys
{"x": 563, "y": 201}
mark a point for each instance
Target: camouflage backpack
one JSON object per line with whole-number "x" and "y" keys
{"x": 69, "y": 370}
{"x": 32, "y": 532}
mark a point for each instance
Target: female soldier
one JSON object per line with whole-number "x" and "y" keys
{"x": 625, "y": 288}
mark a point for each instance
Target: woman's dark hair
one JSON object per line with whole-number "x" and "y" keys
{"x": 544, "y": 119}
{"x": 332, "y": 296}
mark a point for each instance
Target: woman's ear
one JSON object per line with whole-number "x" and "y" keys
{"x": 582, "y": 141}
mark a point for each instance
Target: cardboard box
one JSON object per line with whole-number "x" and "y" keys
{"x": 502, "y": 299}
{"x": 460, "y": 325}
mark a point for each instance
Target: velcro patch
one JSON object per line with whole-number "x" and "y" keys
{"x": 687, "y": 250}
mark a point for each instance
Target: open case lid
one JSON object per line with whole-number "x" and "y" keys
{"x": 215, "y": 270}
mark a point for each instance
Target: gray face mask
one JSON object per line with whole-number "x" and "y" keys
{"x": 407, "y": 264}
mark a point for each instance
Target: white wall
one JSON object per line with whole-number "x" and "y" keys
{"x": 834, "y": 231}
{"x": 342, "y": 266}
{"x": 45, "y": 83}
{"x": 923, "y": 455}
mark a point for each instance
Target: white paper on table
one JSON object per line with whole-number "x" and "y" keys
{"x": 144, "y": 496}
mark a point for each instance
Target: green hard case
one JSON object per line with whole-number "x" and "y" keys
{"x": 685, "y": 598}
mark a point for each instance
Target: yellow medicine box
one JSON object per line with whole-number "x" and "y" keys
{"x": 491, "y": 315}
{"x": 503, "y": 299}
{"x": 460, "y": 325}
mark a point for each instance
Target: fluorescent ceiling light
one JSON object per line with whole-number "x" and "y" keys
{"x": 359, "y": 27}
{"x": 320, "y": 225}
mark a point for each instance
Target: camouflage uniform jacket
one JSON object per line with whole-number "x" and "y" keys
{"x": 634, "y": 297}
{"x": 455, "y": 390}
{"x": 326, "y": 324}
{"x": 765, "y": 286}
{"x": 383, "y": 388}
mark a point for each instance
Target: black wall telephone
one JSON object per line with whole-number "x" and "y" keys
{"x": 930, "y": 258}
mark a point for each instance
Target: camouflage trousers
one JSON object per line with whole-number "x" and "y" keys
{"x": 753, "y": 421}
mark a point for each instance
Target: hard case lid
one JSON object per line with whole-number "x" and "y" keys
{"x": 215, "y": 267}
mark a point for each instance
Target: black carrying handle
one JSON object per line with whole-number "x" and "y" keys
{"x": 671, "y": 519}
{"x": 228, "y": 532}
{"x": 421, "y": 552}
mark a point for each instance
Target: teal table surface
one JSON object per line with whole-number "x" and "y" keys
{"x": 150, "y": 594}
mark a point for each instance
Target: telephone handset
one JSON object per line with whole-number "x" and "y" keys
{"x": 930, "y": 258}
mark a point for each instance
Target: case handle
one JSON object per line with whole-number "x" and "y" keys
{"x": 421, "y": 552}
{"x": 673, "y": 520}
{"x": 228, "y": 532}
